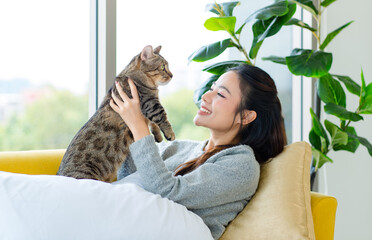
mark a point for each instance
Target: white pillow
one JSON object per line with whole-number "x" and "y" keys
{"x": 55, "y": 207}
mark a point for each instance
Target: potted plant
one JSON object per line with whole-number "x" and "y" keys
{"x": 268, "y": 21}
{"x": 316, "y": 63}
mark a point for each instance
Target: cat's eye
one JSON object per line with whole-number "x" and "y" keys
{"x": 162, "y": 67}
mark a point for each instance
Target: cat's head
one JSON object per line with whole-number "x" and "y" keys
{"x": 155, "y": 66}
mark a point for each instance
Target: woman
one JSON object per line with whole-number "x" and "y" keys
{"x": 214, "y": 179}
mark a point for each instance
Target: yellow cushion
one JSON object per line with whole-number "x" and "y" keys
{"x": 31, "y": 162}
{"x": 281, "y": 207}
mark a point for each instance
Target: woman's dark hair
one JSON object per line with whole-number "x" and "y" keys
{"x": 266, "y": 134}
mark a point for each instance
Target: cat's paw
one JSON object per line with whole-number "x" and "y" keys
{"x": 158, "y": 138}
{"x": 170, "y": 137}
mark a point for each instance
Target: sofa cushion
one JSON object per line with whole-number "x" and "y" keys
{"x": 281, "y": 207}
{"x": 55, "y": 207}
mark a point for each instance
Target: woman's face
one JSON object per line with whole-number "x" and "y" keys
{"x": 219, "y": 105}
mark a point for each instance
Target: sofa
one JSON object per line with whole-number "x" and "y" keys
{"x": 282, "y": 208}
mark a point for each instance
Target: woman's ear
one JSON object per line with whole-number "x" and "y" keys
{"x": 248, "y": 116}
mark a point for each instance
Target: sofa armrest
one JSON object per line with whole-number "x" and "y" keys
{"x": 32, "y": 162}
{"x": 323, "y": 209}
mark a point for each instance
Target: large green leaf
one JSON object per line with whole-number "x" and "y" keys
{"x": 352, "y": 86}
{"x": 309, "y": 63}
{"x": 307, "y": 5}
{"x": 363, "y": 88}
{"x": 221, "y": 23}
{"x": 330, "y": 90}
{"x": 210, "y": 51}
{"x": 266, "y": 28}
{"x": 332, "y": 35}
{"x": 226, "y": 7}
{"x": 315, "y": 140}
{"x": 319, "y": 130}
{"x": 205, "y": 86}
{"x": 352, "y": 142}
{"x": 275, "y": 59}
{"x": 365, "y": 103}
{"x": 299, "y": 23}
{"x": 365, "y": 143}
{"x": 337, "y": 135}
{"x": 260, "y": 32}
{"x": 326, "y": 3}
{"x": 279, "y": 8}
{"x": 319, "y": 158}
{"x": 221, "y": 67}
{"x": 341, "y": 112}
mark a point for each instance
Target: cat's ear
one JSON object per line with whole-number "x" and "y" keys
{"x": 157, "y": 49}
{"x": 147, "y": 52}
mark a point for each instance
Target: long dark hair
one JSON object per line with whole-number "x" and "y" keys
{"x": 266, "y": 134}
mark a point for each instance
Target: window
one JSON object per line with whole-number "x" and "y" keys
{"x": 44, "y": 73}
{"x": 47, "y": 57}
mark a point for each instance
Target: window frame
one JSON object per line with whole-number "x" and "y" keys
{"x": 102, "y": 65}
{"x": 302, "y": 98}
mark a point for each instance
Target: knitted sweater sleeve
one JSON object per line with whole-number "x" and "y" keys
{"x": 232, "y": 177}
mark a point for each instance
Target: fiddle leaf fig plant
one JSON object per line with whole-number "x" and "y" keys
{"x": 317, "y": 63}
{"x": 314, "y": 63}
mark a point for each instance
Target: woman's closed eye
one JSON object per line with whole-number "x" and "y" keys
{"x": 218, "y": 93}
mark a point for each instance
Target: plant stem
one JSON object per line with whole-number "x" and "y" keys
{"x": 241, "y": 48}
{"x": 237, "y": 45}
{"x": 347, "y": 124}
{"x": 319, "y": 23}
{"x": 317, "y": 37}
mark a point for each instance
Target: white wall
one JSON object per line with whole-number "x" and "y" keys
{"x": 349, "y": 178}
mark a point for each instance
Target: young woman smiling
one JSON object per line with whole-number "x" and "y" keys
{"x": 215, "y": 178}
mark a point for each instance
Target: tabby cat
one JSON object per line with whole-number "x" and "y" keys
{"x": 102, "y": 144}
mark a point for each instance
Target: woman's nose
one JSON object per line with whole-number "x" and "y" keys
{"x": 206, "y": 97}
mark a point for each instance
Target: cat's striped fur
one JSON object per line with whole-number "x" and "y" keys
{"x": 102, "y": 144}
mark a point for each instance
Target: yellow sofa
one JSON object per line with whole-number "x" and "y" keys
{"x": 323, "y": 208}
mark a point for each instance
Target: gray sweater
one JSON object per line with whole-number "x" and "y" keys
{"x": 216, "y": 191}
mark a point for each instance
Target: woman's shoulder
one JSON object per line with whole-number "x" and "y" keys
{"x": 240, "y": 155}
{"x": 241, "y": 150}
{"x": 239, "y": 165}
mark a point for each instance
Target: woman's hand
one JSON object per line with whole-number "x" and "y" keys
{"x": 130, "y": 111}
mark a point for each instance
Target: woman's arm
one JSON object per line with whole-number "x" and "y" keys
{"x": 232, "y": 177}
